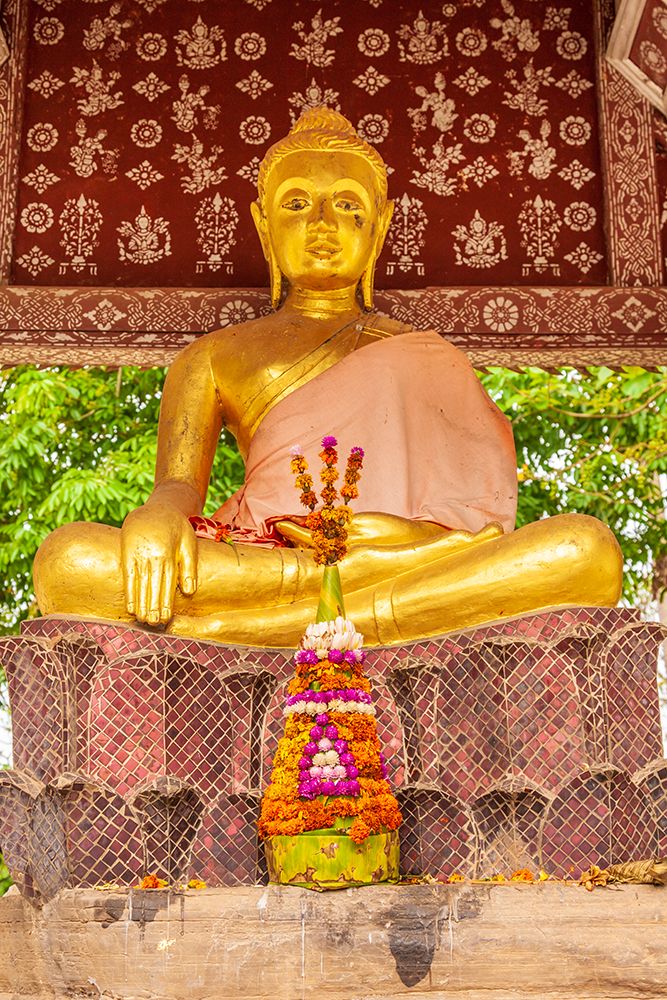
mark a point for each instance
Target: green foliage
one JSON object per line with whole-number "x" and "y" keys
{"x": 594, "y": 442}
{"x": 5, "y": 877}
{"x": 77, "y": 445}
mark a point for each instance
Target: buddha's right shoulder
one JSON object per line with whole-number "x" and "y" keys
{"x": 225, "y": 338}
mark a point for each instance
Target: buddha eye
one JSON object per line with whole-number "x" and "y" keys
{"x": 348, "y": 205}
{"x": 295, "y": 204}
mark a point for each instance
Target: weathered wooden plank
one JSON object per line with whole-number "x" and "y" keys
{"x": 548, "y": 941}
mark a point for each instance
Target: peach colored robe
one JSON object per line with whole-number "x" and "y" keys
{"x": 436, "y": 447}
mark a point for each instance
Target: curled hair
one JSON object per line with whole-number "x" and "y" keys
{"x": 321, "y": 129}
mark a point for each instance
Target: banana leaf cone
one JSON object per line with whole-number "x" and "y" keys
{"x": 330, "y": 859}
{"x": 331, "y": 604}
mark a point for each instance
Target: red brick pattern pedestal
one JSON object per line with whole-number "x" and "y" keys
{"x": 532, "y": 742}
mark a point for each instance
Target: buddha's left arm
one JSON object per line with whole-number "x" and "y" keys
{"x": 158, "y": 545}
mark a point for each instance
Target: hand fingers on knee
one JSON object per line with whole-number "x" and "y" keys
{"x": 154, "y": 596}
{"x": 129, "y": 578}
{"x": 142, "y": 590}
{"x": 167, "y": 593}
{"x": 188, "y": 564}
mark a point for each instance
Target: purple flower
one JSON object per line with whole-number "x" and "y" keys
{"x": 310, "y": 749}
{"x": 327, "y": 787}
{"x": 316, "y": 733}
{"x": 304, "y": 763}
{"x": 383, "y": 768}
{"x": 354, "y": 787}
{"x": 346, "y": 758}
{"x": 336, "y": 656}
{"x": 350, "y": 656}
{"x": 322, "y": 721}
{"x": 357, "y": 450}
{"x": 340, "y": 746}
{"x": 352, "y": 771}
{"x": 319, "y": 696}
{"x": 329, "y": 441}
{"x": 331, "y": 732}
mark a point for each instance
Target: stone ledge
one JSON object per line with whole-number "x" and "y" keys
{"x": 543, "y": 942}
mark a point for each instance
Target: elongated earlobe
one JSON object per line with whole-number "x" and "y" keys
{"x": 275, "y": 276}
{"x": 367, "y": 281}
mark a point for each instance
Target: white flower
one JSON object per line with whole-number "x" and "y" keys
{"x": 146, "y": 133}
{"x": 479, "y": 128}
{"x": 556, "y": 17}
{"x": 151, "y": 46}
{"x": 471, "y": 81}
{"x": 331, "y": 758}
{"x": 373, "y": 128}
{"x": 576, "y": 174}
{"x": 652, "y": 58}
{"x": 500, "y": 314}
{"x": 48, "y": 30}
{"x": 371, "y": 81}
{"x": 580, "y": 216}
{"x": 35, "y": 260}
{"x": 571, "y": 45}
{"x": 42, "y": 137}
{"x": 234, "y": 312}
{"x": 471, "y": 42}
{"x": 573, "y": 84}
{"x": 40, "y": 178}
{"x": 151, "y": 87}
{"x": 319, "y": 759}
{"x": 37, "y": 217}
{"x": 144, "y": 174}
{"x": 254, "y": 85}
{"x": 373, "y": 42}
{"x": 255, "y": 130}
{"x": 46, "y": 84}
{"x": 584, "y": 258}
{"x": 575, "y": 130}
{"x": 660, "y": 20}
{"x": 479, "y": 171}
{"x": 250, "y": 46}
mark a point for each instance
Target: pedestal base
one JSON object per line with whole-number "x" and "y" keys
{"x": 546, "y": 942}
{"x": 532, "y": 742}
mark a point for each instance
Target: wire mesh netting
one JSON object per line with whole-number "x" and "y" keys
{"x": 533, "y": 742}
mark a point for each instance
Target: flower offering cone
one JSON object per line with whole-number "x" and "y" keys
{"x": 329, "y": 818}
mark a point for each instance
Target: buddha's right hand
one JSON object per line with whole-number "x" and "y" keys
{"x": 159, "y": 553}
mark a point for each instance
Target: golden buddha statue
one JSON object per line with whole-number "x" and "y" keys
{"x": 432, "y": 547}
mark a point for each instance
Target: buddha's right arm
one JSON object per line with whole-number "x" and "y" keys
{"x": 159, "y": 550}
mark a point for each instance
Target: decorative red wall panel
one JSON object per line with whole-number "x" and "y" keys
{"x": 144, "y": 123}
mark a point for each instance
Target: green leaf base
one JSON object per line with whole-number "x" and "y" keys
{"x": 329, "y": 859}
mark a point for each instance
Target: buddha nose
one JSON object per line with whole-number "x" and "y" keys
{"x": 324, "y": 216}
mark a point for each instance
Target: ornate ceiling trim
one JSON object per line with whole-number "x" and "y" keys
{"x": 623, "y": 324}
{"x": 548, "y": 327}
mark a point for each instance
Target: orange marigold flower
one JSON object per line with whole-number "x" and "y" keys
{"x": 152, "y": 882}
{"x": 522, "y": 875}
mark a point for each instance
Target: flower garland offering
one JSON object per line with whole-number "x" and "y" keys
{"x": 329, "y": 777}
{"x": 329, "y": 526}
{"x": 329, "y": 767}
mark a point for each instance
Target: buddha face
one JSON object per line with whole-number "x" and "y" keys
{"x": 324, "y": 218}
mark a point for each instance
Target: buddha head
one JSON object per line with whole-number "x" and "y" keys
{"x": 322, "y": 213}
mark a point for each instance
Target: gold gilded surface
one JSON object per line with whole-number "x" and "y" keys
{"x": 322, "y": 216}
